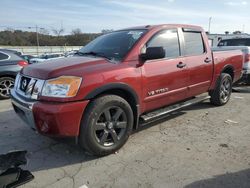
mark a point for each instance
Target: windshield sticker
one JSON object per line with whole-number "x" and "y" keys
{"x": 135, "y": 34}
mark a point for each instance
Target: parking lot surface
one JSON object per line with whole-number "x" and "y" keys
{"x": 201, "y": 146}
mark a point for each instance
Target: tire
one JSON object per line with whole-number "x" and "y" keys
{"x": 223, "y": 89}
{"x": 106, "y": 125}
{"x": 247, "y": 80}
{"x": 6, "y": 83}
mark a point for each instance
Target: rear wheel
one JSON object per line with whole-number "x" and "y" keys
{"x": 106, "y": 125}
{"x": 222, "y": 92}
{"x": 6, "y": 84}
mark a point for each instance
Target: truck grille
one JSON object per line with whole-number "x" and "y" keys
{"x": 28, "y": 87}
{"x": 24, "y": 83}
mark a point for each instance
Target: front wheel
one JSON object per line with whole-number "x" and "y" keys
{"x": 106, "y": 125}
{"x": 223, "y": 89}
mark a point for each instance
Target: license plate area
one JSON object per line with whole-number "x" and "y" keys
{"x": 25, "y": 115}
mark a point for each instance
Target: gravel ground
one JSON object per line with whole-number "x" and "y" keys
{"x": 201, "y": 146}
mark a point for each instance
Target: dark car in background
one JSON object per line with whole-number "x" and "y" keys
{"x": 10, "y": 64}
{"x": 27, "y": 57}
{"x": 242, "y": 44}
{"x": 235, "y": 42}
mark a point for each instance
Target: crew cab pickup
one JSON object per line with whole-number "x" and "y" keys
{"x": 122, "y": 80}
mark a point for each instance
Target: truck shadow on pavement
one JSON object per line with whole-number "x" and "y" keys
{"x": 158, "y": 121}
{"x": 241, "y": 89}
{"x": 239, "y": 179}
{"x": 198, "y": 106}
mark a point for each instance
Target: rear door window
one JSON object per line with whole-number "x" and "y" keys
{"x": 3, "y": 56}
{"x": 193, "y": 43}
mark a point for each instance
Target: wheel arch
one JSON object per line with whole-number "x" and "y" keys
{"x": 120, "y": 89}
{"x": 8, "y": 74}
{"x": 229, "y": 69}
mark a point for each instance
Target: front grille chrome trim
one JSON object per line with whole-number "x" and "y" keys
{"x": 37, "y": 89}
{"x": 33, "y": 89}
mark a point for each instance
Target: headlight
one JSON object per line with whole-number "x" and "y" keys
{"x": 63, "y": 87}
{"x": 246, "y": 66}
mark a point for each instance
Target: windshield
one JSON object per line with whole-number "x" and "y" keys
{"x": 235, "y": 42}
{"x": 114, "y": 46}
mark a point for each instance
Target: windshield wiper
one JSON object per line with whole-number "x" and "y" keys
{"x": 97, "y": 54}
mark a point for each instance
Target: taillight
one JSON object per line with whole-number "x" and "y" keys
{"x": 247, "y": 57}
{"x": 22, "y": 63}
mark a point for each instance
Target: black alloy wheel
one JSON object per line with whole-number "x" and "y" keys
{"x": 106, "y": 125}
{"x": 225, "y": 90}
{"x": 222, "y": 91}
{"x": 111, "y": 126}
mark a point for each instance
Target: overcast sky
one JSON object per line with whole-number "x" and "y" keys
{"x": 95, "y": 15}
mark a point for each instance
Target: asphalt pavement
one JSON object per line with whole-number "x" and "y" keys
{"x": 201, "y": 146}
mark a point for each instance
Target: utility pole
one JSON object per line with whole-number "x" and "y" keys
{"x": 37, "y": 41}
{"x": 37, "y": 37}
{"x": 209, "y": 24}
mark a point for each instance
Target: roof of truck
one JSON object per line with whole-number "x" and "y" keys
{"x": 149, "y": 27}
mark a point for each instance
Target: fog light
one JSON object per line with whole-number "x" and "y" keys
{"x": 45, "y": 127}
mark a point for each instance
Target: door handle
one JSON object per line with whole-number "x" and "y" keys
{"x": 207, "y": 60}
{"x": 181, "y": 65}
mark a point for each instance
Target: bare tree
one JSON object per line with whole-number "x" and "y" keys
{"x": 10, "y": 29}
{"x": 237, "y": 32}
{"x": 104, "y": 31}
{"x": 58, "y": 32}
{"x": 43, "y": 31}
{"x": 76, "y": 31}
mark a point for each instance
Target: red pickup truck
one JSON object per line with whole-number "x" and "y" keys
{"x": 122, "y": 80}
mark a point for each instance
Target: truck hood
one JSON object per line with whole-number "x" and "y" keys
{"x": 73, "y": 66}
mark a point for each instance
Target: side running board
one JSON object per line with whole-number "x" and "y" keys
{"x": 169, "y": 109}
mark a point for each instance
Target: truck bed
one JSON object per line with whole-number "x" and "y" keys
{"x": 224, "y": 56}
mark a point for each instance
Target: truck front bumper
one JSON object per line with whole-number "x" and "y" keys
{"x": 51, "y": 119}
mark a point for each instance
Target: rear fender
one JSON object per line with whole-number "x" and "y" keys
{"x": 226, "y": 69}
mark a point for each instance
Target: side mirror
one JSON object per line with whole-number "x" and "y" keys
{"x": 153, "y": 53}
